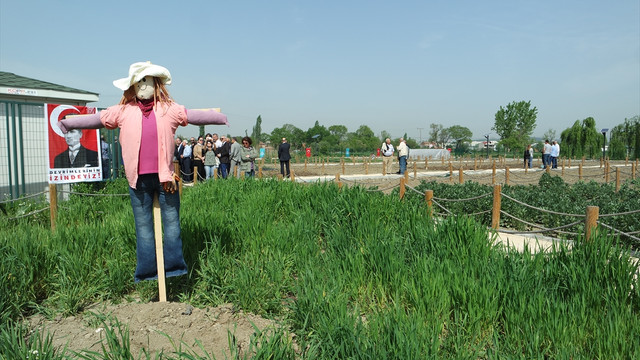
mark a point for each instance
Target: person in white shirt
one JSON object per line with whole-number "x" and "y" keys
{"x": 546, "y": 154}
{"x": 387, "y": 154}
{"x": 555, "y": 152}
{"x": 403, "y": 153}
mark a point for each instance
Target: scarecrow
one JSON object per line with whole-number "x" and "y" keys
{"x": 148, "y": 118}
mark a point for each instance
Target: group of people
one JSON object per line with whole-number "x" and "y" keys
{"x": 213, "y": 154}
{"x": 550, "y": 152}
{"x": 388, "y": 150}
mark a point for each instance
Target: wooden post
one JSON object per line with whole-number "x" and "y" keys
{"x": 591, "y": 221}
{"x": 548, "y": 169}
{"x": 195, "y": 175}
{"x": 384, "y": 168}
{"x": 562, "y": 173}
{"x": 428, "y": 197}
{"x": 617, "y": 178}
{"x": 450, "y": 172}
{"x": 338, "y": 181}
{"x": 569, "y": 163}
{"x": 493, "y": 174}
{"x": 506, "y": 175}
{"x": 342, "y": 161}
{"x": 157, "y": 229}
{"x": 633, "y": 171}
{"x": 292, "y": 176}
{"x": 53, "y": 205}
{"x": 260, "y": 171}
{"x": 460, "y": 176}
{"x": 495, "y": 211}
{"x": 402, "y": 189}
{"x": 415, "y": 170}
{"x": 280, "y": 177}
{"x": 305, "y": 163}
{"x": 366, "y": 167}
{"x": 606, "y": 172}
{"x": 580, "y": 171}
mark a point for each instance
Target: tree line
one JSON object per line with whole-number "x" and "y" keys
{"x": 514, "y": 125}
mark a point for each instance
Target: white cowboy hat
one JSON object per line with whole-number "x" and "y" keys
{"x": 137, "y": 71}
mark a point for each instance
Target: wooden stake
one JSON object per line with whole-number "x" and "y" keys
{"x": 157, "y": 229}
{"x": 53, "y": 205}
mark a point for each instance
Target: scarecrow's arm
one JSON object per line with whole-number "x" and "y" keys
{"x": 89, "y": 121}
{"x": 206, "y": 117}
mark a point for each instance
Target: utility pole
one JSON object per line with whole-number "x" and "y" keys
{"x": 420, "y": 129}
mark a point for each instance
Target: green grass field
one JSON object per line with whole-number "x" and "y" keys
{"x": 354, "y": 274}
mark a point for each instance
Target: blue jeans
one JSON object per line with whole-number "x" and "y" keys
{"x": 402, "y": 161}
{"x": 223, "y": 170}
{"x": 209, "y": 169}
{"x": 142, "y": 205}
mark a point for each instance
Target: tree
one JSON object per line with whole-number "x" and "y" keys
{"x": 294, "y": 135}
{"x": 443, "y": 137}
{"x": 257, "y": 131}
{"x": 549, "y": 135}
{"x": 461, "y": 134}
{"x": 515, "y": 124}
{"x": 582, "y": 139}
{"x": 434, "y": 132}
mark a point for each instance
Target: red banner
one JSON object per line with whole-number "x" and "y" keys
{"x": 74, "y": 156}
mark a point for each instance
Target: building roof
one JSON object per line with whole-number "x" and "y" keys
{"x": 12, "y": 80}
{"x": 24, "y": 87}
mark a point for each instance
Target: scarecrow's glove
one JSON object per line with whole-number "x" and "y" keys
{"x": 206, "y": 117}
{"x": 89, "y": 121}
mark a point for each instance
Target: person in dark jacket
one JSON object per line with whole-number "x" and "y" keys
{"x": 222, "y": 152}
{"x": 285, "y": 157}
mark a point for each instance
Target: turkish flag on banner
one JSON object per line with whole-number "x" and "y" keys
{"x": 74, "y": 156}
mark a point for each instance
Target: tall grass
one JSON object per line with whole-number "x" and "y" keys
{"x": 353, "y": 273}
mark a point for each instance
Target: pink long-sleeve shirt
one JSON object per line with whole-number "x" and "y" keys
{"x": 129, "y": 119}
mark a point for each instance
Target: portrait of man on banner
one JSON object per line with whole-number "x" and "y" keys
{"x": 73, "y": 157}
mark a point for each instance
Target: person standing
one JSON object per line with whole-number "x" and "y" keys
{"x": 106, "y": 158}
{"x": 223, "y": 155}
{"x": 187, "y": 168}
{"x": 234, "y": 157}
{"x": 546, "y": 154}
{"x": 387, "y": 155}
{"x": 403, "y": 153}
{"x": 198, "y": 159}
{"x": 555, "y": 152}
{"x": 210, "y": 160}
{"x": 528, "y": 154}
{"x": 248, "y": 155}
{"x": 285, "y": 157}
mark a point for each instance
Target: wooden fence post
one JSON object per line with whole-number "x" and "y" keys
{"x": 53, "y": 205}
{"x": 384, "y": 168}
{"x": 580, "y": 171}
{"x": 506, "y": 175}
{"x": 415, "y": 170}
{"x": 157, "y": 228}
{"x": 428, "y": 197}
{"x": 450, "y": 172}
{"x": 460, "y": 176}
{"x": 195, "y": 175}
{"x": 617, "y": 178}
{"x": 591, "y": 221}
{"x": 495, "y": 211}
{"x": 493, "y": 173}
{"x": 338, "y": 181}
{"x": 606, "y": 172}
{"x": 402, "y": 189}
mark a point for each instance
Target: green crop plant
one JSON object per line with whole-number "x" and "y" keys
{"x": 351, "y": 272}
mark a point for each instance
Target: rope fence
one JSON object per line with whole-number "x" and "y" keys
{"x": 590, "y": 219}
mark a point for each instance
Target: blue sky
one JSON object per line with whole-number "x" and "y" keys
{"x": 391, "y": 65}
